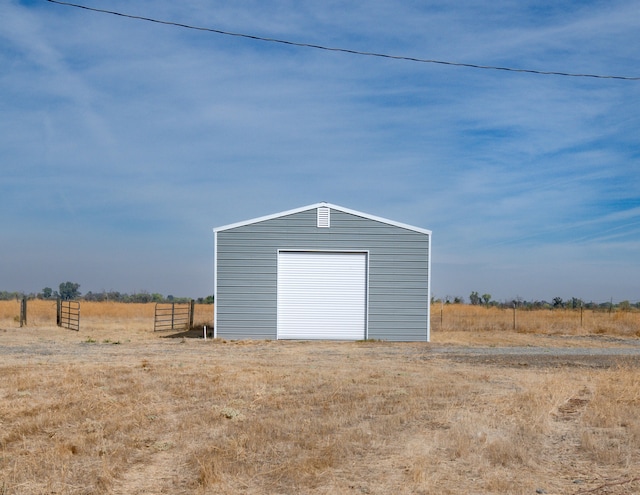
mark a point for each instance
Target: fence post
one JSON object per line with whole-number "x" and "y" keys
{"x": 580, "y": 314}
{"x": 610, "y": 306}
{"x": 59, "y": 312}
{"x": 23, "y": 311}
{"x": 514, "y": 315}
{"x": 191, "y": 310}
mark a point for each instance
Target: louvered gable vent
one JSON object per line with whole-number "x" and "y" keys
{"x": 324, "y": 216}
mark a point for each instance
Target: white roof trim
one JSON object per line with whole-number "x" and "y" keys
{"x": 317, "y": 205}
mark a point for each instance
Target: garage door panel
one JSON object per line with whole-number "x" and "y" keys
{"x": 322, "y": 295}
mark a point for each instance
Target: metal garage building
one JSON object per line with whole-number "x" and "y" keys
{"x": 322, "y": 272}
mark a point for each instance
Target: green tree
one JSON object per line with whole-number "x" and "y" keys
{"x": 474, "y": 298}
{"x": 47, "y": 292}
{"x": 624, "y": 306}
{"x": 486, "y": 299}
{"x": 69, "y": 290}
{"x": 141, "y": 297}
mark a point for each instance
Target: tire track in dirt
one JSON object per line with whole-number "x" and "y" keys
{"x": 158, "y": 470}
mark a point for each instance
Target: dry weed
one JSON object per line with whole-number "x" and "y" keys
{"x": 459, "y": 317}
{"x": 611, "y": 423}
{"x": 98, "y": 317}
{"x": 185, "y": 416}
{"x": 448, "y": 319}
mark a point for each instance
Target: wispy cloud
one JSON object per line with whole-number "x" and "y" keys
{"x": 123, "y": 142}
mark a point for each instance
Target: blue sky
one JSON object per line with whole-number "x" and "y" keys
{"x": 123, "y": 142}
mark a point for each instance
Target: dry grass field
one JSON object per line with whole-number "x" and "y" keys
{"x": 118, "y": 409}
{"x": 457, "y": 317}
{"x": 95, "y": 315}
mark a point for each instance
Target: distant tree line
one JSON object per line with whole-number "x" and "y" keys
{"x": 476, "y": 299}
{"x": 71, "y": 290}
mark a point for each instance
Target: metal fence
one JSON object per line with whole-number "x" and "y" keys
{"x": 173, "y": 316}
{"x": 69, "y": 315}
{"x": 474, "y": 318}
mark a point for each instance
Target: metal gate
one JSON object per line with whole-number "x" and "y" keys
{"x": 173, "y": 316}
{"x": 69, "y": 314}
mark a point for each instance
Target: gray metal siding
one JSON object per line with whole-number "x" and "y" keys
{"x": 246, "y": 274}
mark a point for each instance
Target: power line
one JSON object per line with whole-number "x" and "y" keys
{"x": 344, "y": 50}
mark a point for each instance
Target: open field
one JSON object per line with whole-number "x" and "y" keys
{"x": 460, "y": 317}
{"x": 444, "y": 318}
{"x": 118, "y": 409}
{"x": 94, "y": 315}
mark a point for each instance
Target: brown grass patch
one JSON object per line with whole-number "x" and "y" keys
{"x": 80, "y": 415}
{"x": 96, "y": 316}
{"x": 460, "y": 317}
{"x": 188, "y": 416}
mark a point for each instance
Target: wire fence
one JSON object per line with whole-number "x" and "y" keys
{"x": 444, "y": 317}
{"x": 474, "y": 318}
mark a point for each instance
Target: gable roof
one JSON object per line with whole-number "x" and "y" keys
{"x": 318, "y": 205}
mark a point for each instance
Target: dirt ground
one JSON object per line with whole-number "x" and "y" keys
{"x": 423, "y": 454}
{"x": 54, "y": 344}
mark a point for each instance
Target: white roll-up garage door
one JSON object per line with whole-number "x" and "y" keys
{"x": 322, "y": 295}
